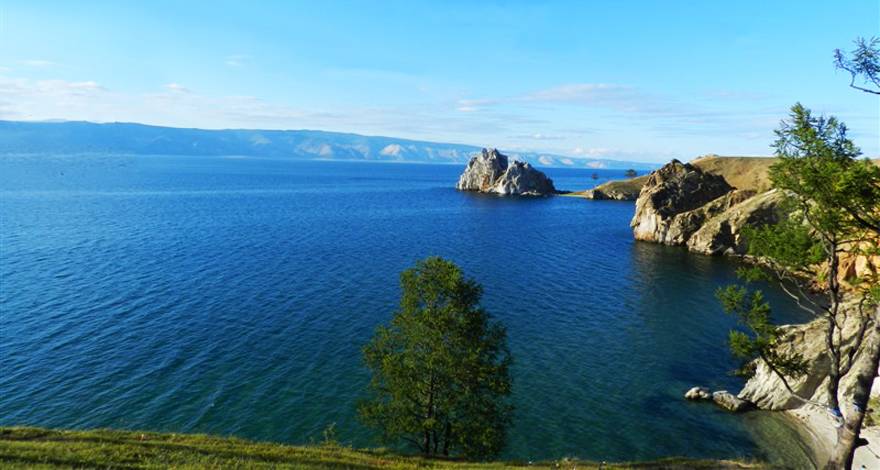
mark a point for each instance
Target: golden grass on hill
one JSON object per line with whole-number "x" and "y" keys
{"x": 630, "y": 186}
{"x": 750, "y": 173}
{"x": 38, "y": 448}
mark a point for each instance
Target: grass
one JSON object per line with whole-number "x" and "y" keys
{"x": 630, "y": 186}
{"x": 751, "y": 173}
{"x": 23, "y": 447}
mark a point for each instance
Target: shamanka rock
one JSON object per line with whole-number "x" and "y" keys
{"x": 491, "y": 172}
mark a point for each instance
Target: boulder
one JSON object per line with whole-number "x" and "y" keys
{"x": 731, "y": 402}
{"x": 666, "y": 203}
{"x": 722, "y": 233}
{"x": 698, "y": 393}
{"x": 491, "y": 172}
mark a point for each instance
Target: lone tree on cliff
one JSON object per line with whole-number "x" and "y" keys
{"x": 833, "y": 211}
{"x": 441, "y": 368}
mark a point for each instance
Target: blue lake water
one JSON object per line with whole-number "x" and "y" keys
{"x": 233, "y": 295}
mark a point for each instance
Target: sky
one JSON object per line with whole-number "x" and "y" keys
{"x": 631, "y": 80}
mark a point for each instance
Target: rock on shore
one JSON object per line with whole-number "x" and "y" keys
{"x": 491, "y": 172}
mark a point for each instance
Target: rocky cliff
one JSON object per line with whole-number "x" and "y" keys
{"x": 766, "y": 390}
{"x": 491, "y": 172}
{"x": 682, "y": 204}
{"x": 665, "y": 210}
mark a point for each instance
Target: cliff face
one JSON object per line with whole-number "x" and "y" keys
{"x": 722, "y": 233}
{"x": 490, "y": 172}
{"x": 681, "y": 204}
{"x": 665, "y": 210}
{"x": 766, "y": 390}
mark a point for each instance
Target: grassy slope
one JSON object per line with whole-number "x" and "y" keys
{"x": 740, "y": 172}
{"x": 632, "y": 185}
{"x": 44, "y": 448}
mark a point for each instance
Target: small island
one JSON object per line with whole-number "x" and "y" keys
{"x": 491, "y": 172}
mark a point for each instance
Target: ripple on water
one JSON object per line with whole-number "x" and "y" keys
{"x": 234, "y": 296}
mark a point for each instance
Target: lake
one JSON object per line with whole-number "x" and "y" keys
{"x": 233, "y": 295}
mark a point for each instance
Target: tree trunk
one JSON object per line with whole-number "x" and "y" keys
{"x": 833, "y": 349}
{"x": 865, "y": 368}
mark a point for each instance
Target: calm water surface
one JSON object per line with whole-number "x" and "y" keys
{"x": 232, "y": 296}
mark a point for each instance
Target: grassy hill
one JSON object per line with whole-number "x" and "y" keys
{"x": 740, "y": 172}
{"x": 43, "y": 448}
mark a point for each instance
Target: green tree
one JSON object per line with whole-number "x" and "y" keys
{"x": 440, "y": 370}
{"x": 833, "y": 210}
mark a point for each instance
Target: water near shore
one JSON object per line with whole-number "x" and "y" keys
{"x": 232, "y": 296}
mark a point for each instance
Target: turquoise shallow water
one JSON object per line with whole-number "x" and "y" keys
{"x": 232, "y": 296}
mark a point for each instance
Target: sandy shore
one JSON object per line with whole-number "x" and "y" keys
{"x": 819, "y": 431}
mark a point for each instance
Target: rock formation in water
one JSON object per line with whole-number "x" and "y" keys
{"x": 722, "y": 398}
{"x": 698, "y": 393}
{"x": 731, "y": 402}
{"x": 491, "y": 172}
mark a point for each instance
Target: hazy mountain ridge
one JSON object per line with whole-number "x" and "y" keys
{"x": 79, "y": 137}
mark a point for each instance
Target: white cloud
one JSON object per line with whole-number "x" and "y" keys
{"x": 593, "y": 152}
{"x": 473, "y": 105}
{"x": 578, "y": 92}
{"x": 235, "y": 60}
{"x": 38, "y": 63}
{"x": 176, "y": 88}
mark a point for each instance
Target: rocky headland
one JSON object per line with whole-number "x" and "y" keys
{"x": 746, "y": 173}
{"x": 681, "y": 204}
{"x": 694, "y": 205}
{"x": 492, "y": 172}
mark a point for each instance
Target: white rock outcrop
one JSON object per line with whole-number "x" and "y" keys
{"x": 491, "y": 172}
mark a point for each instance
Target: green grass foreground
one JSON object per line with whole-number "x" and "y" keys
{"x": 22, "y": 447}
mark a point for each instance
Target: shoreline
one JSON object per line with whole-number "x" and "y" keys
{"x": 820, "y": 435}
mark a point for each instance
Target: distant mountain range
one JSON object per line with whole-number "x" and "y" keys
{"x": 78, "y": 137}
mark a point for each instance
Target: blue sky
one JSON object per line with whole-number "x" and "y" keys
{"x": 637, "y": 80}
